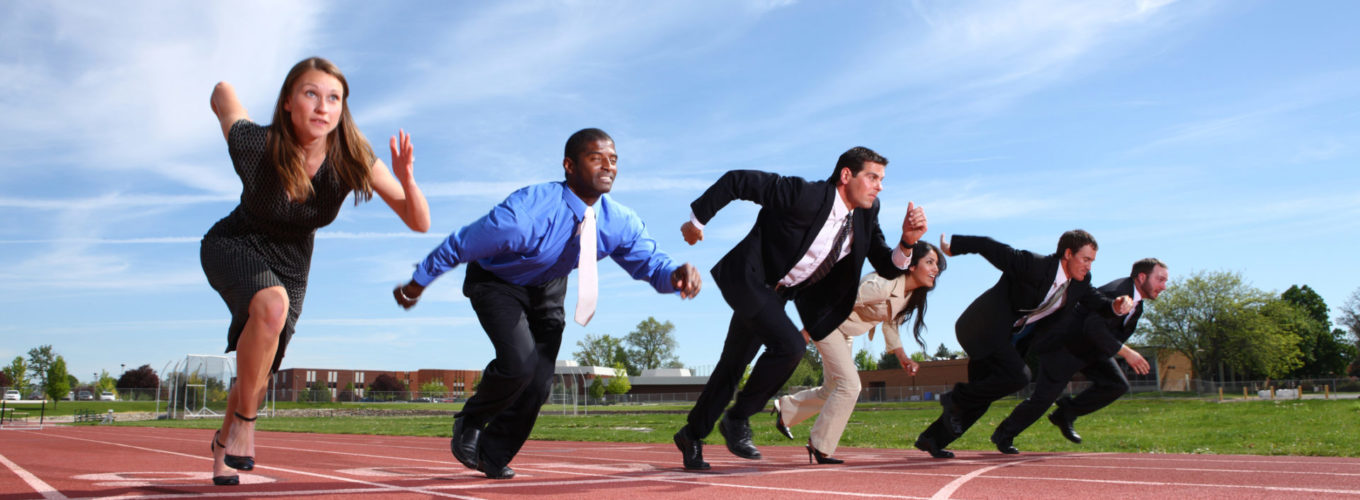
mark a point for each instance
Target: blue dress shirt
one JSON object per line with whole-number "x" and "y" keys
{"x": 530, "y": 239}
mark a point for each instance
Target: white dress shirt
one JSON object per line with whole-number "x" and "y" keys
{"x": 1057, "y": 282}
{"x": 821, "y": 245}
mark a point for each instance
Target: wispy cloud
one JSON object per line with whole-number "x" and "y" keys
{"x": 132, "y": 81}
{"x": 112, "y": 201}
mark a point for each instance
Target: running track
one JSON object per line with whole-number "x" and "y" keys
{"x": 84, "y": 462}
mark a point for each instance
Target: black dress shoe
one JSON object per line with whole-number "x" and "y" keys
{"x": 692, "y": 450}
{"x": 950, "y": 415}
{"x": 492, "y": 472}
{"x": 1059, "y": 418}
{"x": 821, "y": 458}
{"x": 1004, "y": 443}
{"x": 779, "y": 421}
{"x": 738, "y": 436}
{"x": 928, "y": 445}
{"x": 464, "y": 442}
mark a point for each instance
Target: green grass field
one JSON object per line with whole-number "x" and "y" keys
{"x": 1308, "y": 427}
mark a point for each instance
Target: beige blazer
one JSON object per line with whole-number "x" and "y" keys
{"x": 879, "y": 301}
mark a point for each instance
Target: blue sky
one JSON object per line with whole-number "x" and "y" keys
{"x": 1213, "y": 135}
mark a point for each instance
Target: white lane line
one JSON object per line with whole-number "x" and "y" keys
{"x": 696, "y": 478}
{"x": 387, "y": 487}
{"x": 1199, "y": 469}
{"x": 44, "y": 489}
{"x": 1291, "y": 489}
{"x": 949, "y": 489}
{"x": 686, "y": 478}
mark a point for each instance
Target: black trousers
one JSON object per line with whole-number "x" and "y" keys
{"x": 784, "y": 346}
{"x": 1055, "y": 370}
{"x": 525, "y": 326}
{"x": 990, "y": 378}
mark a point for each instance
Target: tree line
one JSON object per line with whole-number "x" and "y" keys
{"x": 44, "y": 375}
{"x": 1224, "y": 325}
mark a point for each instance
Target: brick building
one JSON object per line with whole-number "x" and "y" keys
{"x": 294, "y": 381}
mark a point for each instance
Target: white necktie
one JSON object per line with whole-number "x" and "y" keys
{"x": 587, "y": 282}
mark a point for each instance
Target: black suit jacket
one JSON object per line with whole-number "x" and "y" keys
{"x": 986, "y": 325}
{"x": 792, "y": 211}
{"x": 1093, "y": 337}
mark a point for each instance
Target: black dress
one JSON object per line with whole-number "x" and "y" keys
{"x": 267, "y": 240}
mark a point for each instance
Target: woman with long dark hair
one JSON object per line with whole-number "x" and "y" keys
{"x": 880, "y": 300}
{"x": 295, "y": 173}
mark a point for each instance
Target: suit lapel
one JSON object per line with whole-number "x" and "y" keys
{"x": 828, "y": 197}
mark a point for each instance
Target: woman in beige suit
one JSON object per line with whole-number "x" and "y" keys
{"x": 880, "y": 300}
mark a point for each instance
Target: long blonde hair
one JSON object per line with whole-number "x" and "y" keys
{"x": 346, "y": 148}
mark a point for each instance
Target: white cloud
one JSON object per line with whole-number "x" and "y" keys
{"x": 128, "y": 83}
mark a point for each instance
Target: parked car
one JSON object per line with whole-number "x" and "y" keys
{"x": 11, "y": 395}
{"x": 85, "y": 396}
{"x": 107, "y": 396}
{"x": 69, "y": 396}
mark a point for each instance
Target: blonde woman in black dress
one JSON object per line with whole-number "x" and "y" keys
{"x": 295, "y": 173}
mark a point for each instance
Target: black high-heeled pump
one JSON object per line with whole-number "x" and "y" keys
{"x": 240, "y": 462}
{"x": 821, "y": 458}
{"x": 222, "y": 480}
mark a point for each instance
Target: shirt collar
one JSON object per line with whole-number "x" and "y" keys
{"x": 1061, "y": 277}
{"x": 577, "y": 206}
{"x": 838, "y": 209}
{"x": 1137, "y": 297}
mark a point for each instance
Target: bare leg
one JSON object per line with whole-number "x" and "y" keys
{"x": 254, "y": 357}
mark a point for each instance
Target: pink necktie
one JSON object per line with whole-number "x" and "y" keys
{"x": 587, "y": 282}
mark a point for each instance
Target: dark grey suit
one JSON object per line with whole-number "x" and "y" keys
{"x": 792, "y": 212}
{"x": 996, "y": 366}
{"x": 1088, "y": 346}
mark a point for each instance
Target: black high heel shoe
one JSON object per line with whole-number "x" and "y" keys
{"x": 239, "y": 462}
{"x": 779, "y": 421}
{"x": 821, "y": 458}
{"x": 222, "y": 480}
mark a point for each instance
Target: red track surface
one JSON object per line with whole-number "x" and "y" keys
{"x": 83, "y": 462}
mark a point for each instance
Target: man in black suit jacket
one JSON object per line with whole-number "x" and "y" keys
{"x": 808, "y": 245}
{"x": 1034, "y": 296}
{"x": 1089, "y": 347}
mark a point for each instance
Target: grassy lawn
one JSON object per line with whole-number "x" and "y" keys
{"x": 1309, "y": 427}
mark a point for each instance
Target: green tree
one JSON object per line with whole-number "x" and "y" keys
{"x": 433, "y": 388}
{"x": 1217, "y": 320}
{"x": 1350, "y": 316}
{"x": 58, "y": 384}
{"x": 864, "y": 362}
{"x": 316, "y": 393}
{"x": 39, "y": 360}
{"x": 106, "y": 383}
{"x": 1324, "y": 354}
{"x": 18, "y": 374}
{"x": 888, "y": 360}
{"x": 804, "y": 375}
{"x": 651, "y": 345}
{"x": 597, "y": 350}
{"x": 596, "y": 389}
{"x": 942, "y": 352}
{"x": 619, "y": 384}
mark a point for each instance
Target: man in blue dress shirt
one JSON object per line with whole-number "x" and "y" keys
{"x": 518, "y": 257}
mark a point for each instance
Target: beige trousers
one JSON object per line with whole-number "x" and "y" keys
{"x": 835, "y": 399}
